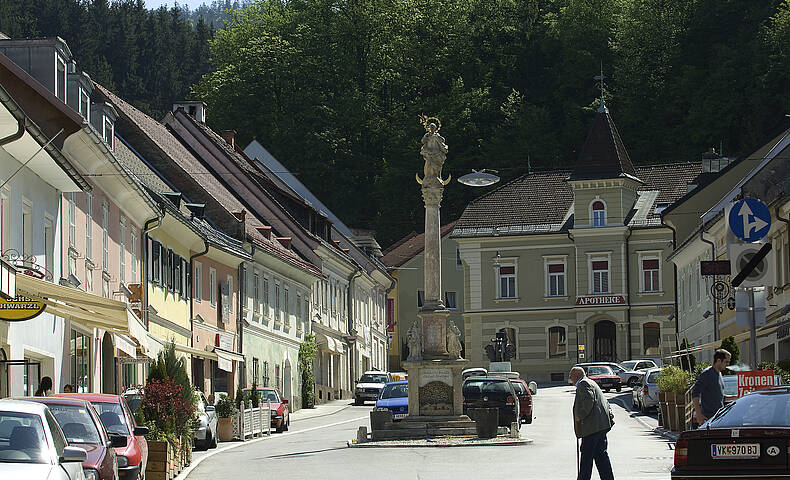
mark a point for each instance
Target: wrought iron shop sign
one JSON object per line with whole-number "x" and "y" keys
{"x": 20, "y": 308}
{"x": 600, "y": 300}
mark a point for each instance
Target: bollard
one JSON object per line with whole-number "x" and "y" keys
{"x": 362, "y": 435}
{"x": 514, "y": 433}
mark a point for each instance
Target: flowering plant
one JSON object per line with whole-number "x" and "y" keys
{"x": 166, "y": 412}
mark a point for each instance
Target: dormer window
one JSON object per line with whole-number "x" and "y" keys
{"x": 598, "y": 214}
{"x": 85, "y": 104}
{"x": 108, "y": 132}
{"x": 60, "y": 77}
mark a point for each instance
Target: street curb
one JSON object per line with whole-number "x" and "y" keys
{"x": 657, "y": 430}
{"x": 423, "y": 443}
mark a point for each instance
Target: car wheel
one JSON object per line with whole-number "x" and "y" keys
{"x": 287, "y": 423}
{"x": 642, "y": 408}
{"x": 619, "y": 387}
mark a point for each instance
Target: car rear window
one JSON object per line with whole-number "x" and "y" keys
{"x": 629, "y": 365}
{"x": 519, "y": 388}
{"x": 653, "y": 377}
{"x": 599, "y": 370}
{"x": 761, "y": 409}
{"x": 395, "y": 391}
{"x": 479, "y": 387}
{"x": 76, "y": 423}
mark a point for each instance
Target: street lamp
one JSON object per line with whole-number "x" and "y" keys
{"x": 479, "y": 178}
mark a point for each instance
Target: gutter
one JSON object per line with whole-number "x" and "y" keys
{"x": 675, "y": 283}
{"x": 352, "y": 363}
{"x": 783, "y": 220}
{"x": 715, "y": 300}
{"x": 20, "y": 132}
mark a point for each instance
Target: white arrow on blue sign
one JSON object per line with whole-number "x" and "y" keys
{"x": 750, "y": 220}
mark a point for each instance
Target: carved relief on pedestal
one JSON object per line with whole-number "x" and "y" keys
{"x": 436, "y": 398}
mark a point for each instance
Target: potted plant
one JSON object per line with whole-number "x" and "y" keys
{"x": 225, "y": 411}
{"x": 673, "y": 382}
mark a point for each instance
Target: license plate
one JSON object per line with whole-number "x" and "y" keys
{"x": 399, "y": 415}
{"x": 735, "y": 451}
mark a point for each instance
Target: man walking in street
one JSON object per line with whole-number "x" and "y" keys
{"x": 593, "y": 419}
{"x": 707, "y": 394}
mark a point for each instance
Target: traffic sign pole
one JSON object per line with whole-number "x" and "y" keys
{"x": 752, "y": 332}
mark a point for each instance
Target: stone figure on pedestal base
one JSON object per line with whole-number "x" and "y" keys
{"x": 453, "y": 340}
{"x": 414, "y": 339}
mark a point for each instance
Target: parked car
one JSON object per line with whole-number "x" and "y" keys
{"x": 627, "y": 377}
{"x": 492, "y": 393}
{"x": 603, "y": 375}
{"x": 395, "y": 398}
{"x": 524, "y": 399}
{"x": 34, "y": 447}
{"x": 133, "y": 397}
{"x": 747, "y": 439}
{"x": 474, "y": 372}
{"x": 206, "y": 432}
{"x": 640, "y": 365}
{"x": 647, "y": 391}
{"x": 83, "y": 428}
{"x": 281, "y": 415}
{"x": 369, "y": 387}
{"x": 117, "y": 419}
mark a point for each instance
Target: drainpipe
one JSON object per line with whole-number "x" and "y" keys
{"x": 675, "y": 284}
{"x": 147, "y": 228}
{"x": 192, "y": 300}
{"x": 784, "y": 220}
{"x": 350, "y": 301}
{"x": 715, "y": 301}
{"x": 628, "y": 290}
{"x": 575, "y": 275}
{"x": 14, "y": 136}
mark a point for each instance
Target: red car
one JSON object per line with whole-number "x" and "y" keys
{"x": 524, "y": 399}
{"x": 281, "y": 416}
{"x": 118, "y": 420}
{"x": 604, "y": 376}
{"x": 83, "y": 428}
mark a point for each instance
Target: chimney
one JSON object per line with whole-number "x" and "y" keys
{"x": 713, "y": 161}
{"x": 284, "y": 241}
{"x": 230, "y": 137}
{"x": 194, "y": 108}
{"x": 265, "y": 230}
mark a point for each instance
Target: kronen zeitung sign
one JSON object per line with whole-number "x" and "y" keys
{"x": 20, "y": 308}
{"x": 601, "y": 300}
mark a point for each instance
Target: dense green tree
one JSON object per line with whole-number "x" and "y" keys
{"x": 729, "y": 344}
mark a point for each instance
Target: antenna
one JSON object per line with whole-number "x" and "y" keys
{"x": 600, "y": 78}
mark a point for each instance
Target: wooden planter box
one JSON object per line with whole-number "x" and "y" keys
{"x": 159, "y": 461}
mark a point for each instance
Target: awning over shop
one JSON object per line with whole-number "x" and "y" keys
{"x": 126, "y": 345}
{"x": 89, "y": 310}
{"x": 328, "y": 344}
{"x": 226, "y": 358}
{"x": 196, "y": 352}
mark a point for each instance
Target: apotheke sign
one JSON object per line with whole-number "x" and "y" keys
{"x": 600, "y": 300}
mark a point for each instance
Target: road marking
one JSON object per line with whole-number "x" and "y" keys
{"x": 185, "y": 472}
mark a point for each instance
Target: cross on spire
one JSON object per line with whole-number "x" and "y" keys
{"x": 600, "y": 78}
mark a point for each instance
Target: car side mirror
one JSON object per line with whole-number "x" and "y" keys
{"x": 285, "y": 401}
{"x": 140, "y": 431}
{"x": 210, "y": 408}
{"x": 533, "y": 388}
{"x": 118, "y": 441}
{"x": 73, "y": 454}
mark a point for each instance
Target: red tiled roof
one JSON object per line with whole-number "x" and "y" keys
{"x": 409, "y": 246}
{"x": 175, "y": 150}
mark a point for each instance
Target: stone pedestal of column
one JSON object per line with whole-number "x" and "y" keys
{"x": 435, "y": 387}
{"x": 434, "y": 333}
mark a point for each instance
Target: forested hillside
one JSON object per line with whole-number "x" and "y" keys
{"x": 333, "y": 87}
{"x": 149, "y": 57}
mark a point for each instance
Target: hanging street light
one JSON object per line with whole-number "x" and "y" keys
{"x": 479, "y": 178}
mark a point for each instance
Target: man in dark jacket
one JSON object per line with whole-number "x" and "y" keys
{"x": 592, "y": 420}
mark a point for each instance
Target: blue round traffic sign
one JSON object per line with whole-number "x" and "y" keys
{"x": 750, "y": 220}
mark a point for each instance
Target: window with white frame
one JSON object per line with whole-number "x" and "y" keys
{"x": 198, "y": 282}
{"x": 85, "y": 104}
{"x": 507, "y": 281}
{"x": 555, "y": 270}
{"x": 286, "y": 312}
{"x": 49, "y": 246}
{"x": 60, "y": 77}
{"x": 108, "y": 132}
{"x": 598, "y": 214}
{"x": 72, "y": 219}
{"x": 89, "y": 225}
{"x": 5, "y": 221}
{"x": 265, "y": 297}
{"x": 228, "y": 302}
{"x": 27, "y": 230}
{"x": 557, "y": 343}
{"x": 600, "y": 275}
{"x": 277, "y": 316}
{"x": 299, "y": 315}
{"x": 651, "y": 275}
{"x": 450, "y": 301}
{"x": 212, "y": 286}
{"x": 256, "y": 292}
{"x": 122, "y": 250}
{"x": 88, "y": 278}
{"x": 105, "y": 239}
{"x": 133, "y": 252}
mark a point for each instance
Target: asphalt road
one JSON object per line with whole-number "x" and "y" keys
{"x": 315, "y": 448}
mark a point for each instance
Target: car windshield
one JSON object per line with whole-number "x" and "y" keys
{"x": 76, "y": 423}
{"x": 395, "y": 391}
{"x": 653, "y": 377}
{"x": 133, "y": 401}
{"x": 599, "y": 370}
{"x": 730, "y": 384}
{"x": 760, "y": 409}
{"x": 111, "y": 415}
{"x": 22, "y": 438}
{"x": 629, "y": 365}
{"x": 373, "y": 378}
{"x": 269, "y": 396}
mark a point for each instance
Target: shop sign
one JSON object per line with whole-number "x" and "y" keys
{"x": 600, "y": 300}
{"x": 20, "y": 308}
{"x": 754, "y": 380}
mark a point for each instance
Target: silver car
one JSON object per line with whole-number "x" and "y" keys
{"x": 206, "y": 431}
{"x": 645, "y": 394}
{"x": 35, "y": 447}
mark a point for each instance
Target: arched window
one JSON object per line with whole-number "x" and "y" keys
{"x": 598, "y": 214}
{"x": 557, "y": 343}
{"x": 651, "y": 335}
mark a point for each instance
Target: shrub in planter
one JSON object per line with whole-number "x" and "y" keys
{"x": 240, "y": 398}
{"x": 225, "y": 411}
{"x": 225, "y": 407}
{"x": 255, "y": 395}
{"x": 673, "y": 380}
{"x": 168, "y": 415}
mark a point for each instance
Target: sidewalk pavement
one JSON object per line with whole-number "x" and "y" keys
{"x": 321, "y": 410}
{"x": 648, "y": 421}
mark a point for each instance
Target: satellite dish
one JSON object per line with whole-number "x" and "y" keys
{"x": 479, "y": 178}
